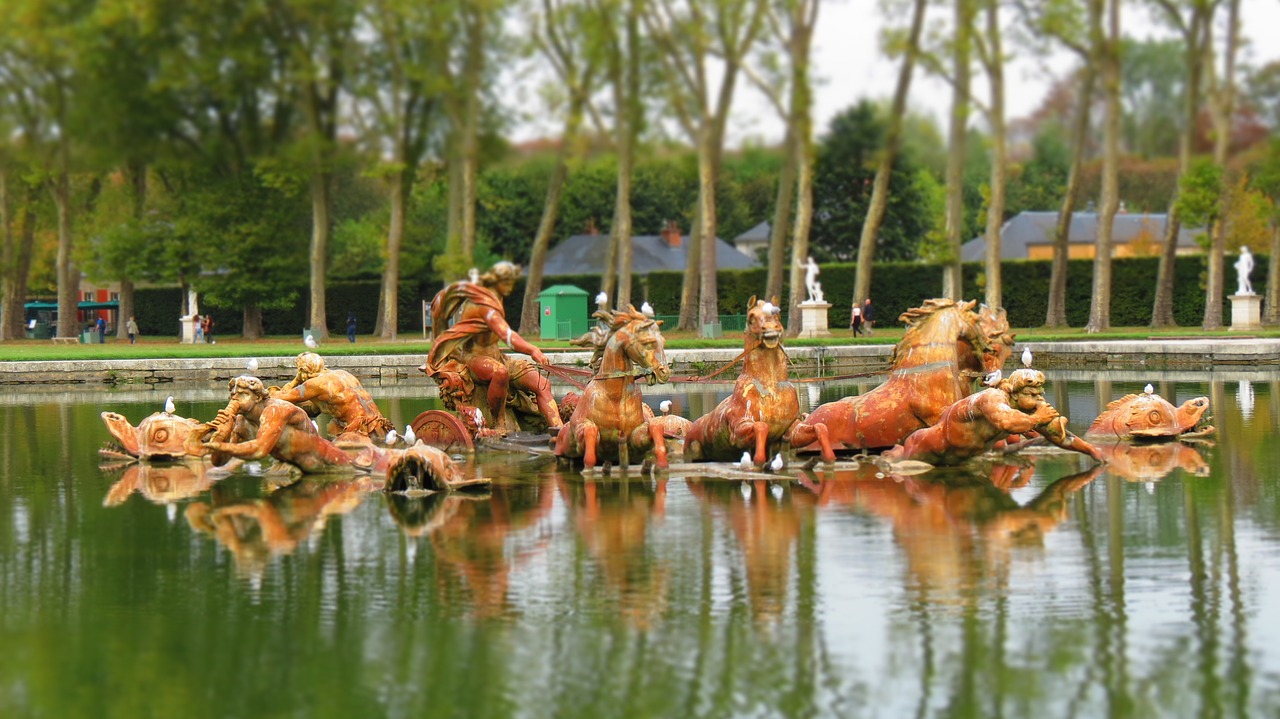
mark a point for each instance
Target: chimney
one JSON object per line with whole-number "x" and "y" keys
{"x": 671, "y": 234}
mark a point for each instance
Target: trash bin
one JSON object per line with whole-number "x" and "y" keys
{"x": 564, "y": 312}
{"x": 89, "y": 336}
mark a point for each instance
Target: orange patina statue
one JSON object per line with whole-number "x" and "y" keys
{"x": 976, "y": 423}
{"x": 1149, "y": 416}
{"x": 159, "y": 436}
{"x": 337, "y": 393}
{"x": 610, "y": 418}
{"x": 764, "y": 404}
{"x": 947, "y": 345}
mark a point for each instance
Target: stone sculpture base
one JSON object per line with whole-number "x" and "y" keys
{"x": 813, "y": 319}
{"x": 188, "y": 325}
{"x": 1246, "y": 312}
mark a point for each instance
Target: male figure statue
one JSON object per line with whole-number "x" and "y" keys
{"x": 1244, "y": 265}
{"x": 337, "y": 393}
{"x": 467, "y": 351}
{"x": 811, "y": 284}
{"x": 976, "y": 423}
{"x": 261, "y": 425}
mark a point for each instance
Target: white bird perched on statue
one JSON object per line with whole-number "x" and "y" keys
{"x": 745, "y": 463}
{"x": 602, "y": 299}
{"x": 772, "y": 309}
{"x": 1148, "y": 389}
{"x": 993, "y": 378}
{"x": 391, "y": 437}
{"x": 1026, "y": 356}
{"x": 646, "y": 309}
{"x": 252, "y": 365}
{"x": 777, "y": 464}
{"x": 310, "y": 342}
{"x": 479, "y": 417}
{"x": 168, "y": 405}
{"x": 409, "y": 437}
{"x": 665, "y": 407}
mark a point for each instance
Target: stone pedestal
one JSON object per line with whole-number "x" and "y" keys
{"x": 1246, "y": 312}
{"x": 813, "y": 319}
{"x": 188, "y": 325}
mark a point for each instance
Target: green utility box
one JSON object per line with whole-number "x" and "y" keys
{"x": 563, "y": 311}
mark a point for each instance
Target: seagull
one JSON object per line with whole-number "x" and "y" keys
{"x": 1026, "y": 356}
{"x": 252, "y": 365}
{"x": 409, "y": 437}
{"x": 168, "y": 406}
{"x": 479, "y": 418}
{"x": 745, "y": 463}
{"x": 771, "y": 309}
{"x": 665, "y": 407}
{"x": 602, "y": 299}
{"x": 746, "y": 491}
{"x": 993, "y": 378}
{"x": 646, "y": 309}
{"x": 1148, "y": 389}
{"x": 777, "y": 463}
{"x": 391, "y": 437}
{"x": 311, "y": 342}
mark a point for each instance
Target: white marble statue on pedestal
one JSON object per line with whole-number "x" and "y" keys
{"x": 811, "y": 283}
{"x": 193, "y": 308}
{"x": 1244, "y": 265}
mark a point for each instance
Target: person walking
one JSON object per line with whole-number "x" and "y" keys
{"x": 856, "y": 322}
{"x": 199, "y": 330}
{"x": 867, "y": 317}
{"x": 102, "y": 331}
{"x": 207, "y": 324}
{"x": 351, "y": 327}
{"x": 131, "y": 327}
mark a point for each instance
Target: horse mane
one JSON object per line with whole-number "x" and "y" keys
{"x": 916, "y": 317}
{"x": 616, "y": 319}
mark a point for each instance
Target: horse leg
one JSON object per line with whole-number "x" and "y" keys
{"x": 624, "y": 451}
{"x": 588, "y": 436}
{"x": 761, "y": 432}
{"x": 659, "y": 444}
{"x": 824, "y": 441}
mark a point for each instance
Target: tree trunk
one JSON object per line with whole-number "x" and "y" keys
{"x": 782, "y": 214}
{"x": 68, "y": 275}
{"x": 689, "y": 286}
{"x": 455, "y": 261}
{"x": 627, "y": 96}
{"x": 1056, "y": 314}
{"x": 802, "y": 121}
{"x": 389, "y": 320}
{"x": 138, "y": 175}
{"x": 1195, "y": 39}
{"x": 1223, "y": 114}
{"x": 15, "y": 289}
{"x": 1271, "y": 307}
{"x": 1100, "y": 306}
{"x": 995, "y": 210}
{"x": 8, "y": 329}
{"x": 320, "y": 222}
{"x": 888, "y": 155}
{"x": 708, "y": 307}
{"x": 952, "y": 276}
{"x": 252, "y": 322}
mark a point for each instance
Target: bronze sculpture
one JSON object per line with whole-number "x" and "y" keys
{"x": 1149, "y": 416}
{"x": 337, "y": 393}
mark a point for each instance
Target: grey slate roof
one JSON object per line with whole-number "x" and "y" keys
{"x": 1037, "y": 228}
{"x": 585, "y": 254}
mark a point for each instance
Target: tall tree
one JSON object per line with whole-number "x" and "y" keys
{"x": 1265, "y": 178}
{"x": 910, "y": 49}
{"x": 961, "y": 74}
{"x": 319, "y": 39}
{"x": 1108, "y": 43}
{"x": 990, "y": 50}
{"x": 1222, "y": 110}
{"x": 398, "y": 98}
{"x": 706, "y": 34}
{"x": 1194, "y": 31}
{"x": 568, "y": 35}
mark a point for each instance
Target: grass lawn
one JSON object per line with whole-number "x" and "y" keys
{"x": 227, "y": 346}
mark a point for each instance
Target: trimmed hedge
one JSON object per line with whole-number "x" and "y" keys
{"x": 895, "y": 288}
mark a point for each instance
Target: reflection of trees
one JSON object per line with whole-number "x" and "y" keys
{"x": 256, "y": 529}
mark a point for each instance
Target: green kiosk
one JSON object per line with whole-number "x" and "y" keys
{"x": 564, "y": 312}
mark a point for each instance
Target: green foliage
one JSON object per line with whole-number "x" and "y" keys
{"x": 1200, "y": 194}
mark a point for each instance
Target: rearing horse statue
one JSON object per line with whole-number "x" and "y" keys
{"x": 609, "y": 420}
{"x": 763, "y": 405}
{"x": 945, "y": 344}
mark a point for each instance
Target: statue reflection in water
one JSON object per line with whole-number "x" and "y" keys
{"x": 614, "y": 519}
{"x": 162, "y": 483}
{"x": 769, "y": 519}
{"x": 477, "y": 541}
{"x": 256, "y": 529}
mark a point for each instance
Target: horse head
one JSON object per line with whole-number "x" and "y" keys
{"x": 764, "y": 323}
{"x": 932, "y": 331}
{"x": 993, "y": 327}
{"x": 637, "y": 339}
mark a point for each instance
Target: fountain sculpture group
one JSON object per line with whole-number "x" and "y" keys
{"x": 945, "y": 401}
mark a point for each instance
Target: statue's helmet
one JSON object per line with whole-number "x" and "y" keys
{"x": 310, "y": 363}
{"x": 502, "y": 271}
{"x": 249, "y": 382}
{"x": 1024, "y": 378}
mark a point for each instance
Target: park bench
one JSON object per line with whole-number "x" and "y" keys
{"x": 66, "y": 340}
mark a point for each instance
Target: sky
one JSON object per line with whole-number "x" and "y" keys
{"x": 849, "y": 65}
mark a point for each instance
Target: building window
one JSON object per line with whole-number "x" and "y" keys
{"x": 115, "y": 296}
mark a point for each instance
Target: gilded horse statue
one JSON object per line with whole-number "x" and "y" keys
{"x": 764, "y": 404}
{"x": 946, "y": 344}
{"x": 609, "y": 419}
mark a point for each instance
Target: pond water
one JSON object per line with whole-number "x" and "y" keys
{"x": 1037, "y": 589}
